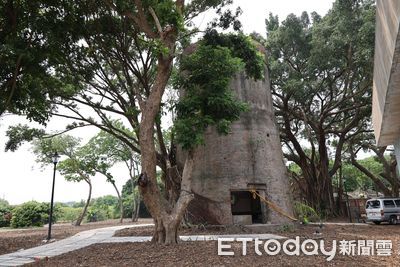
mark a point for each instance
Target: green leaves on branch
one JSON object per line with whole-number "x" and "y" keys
{"x": 242, "y": 47}
{"x": 44, "y": 148}
{"x": 205, "y": 76}
{"x": 19, "y": 134}
{"x": 27, "y": 85}
{"x": 321, "y": 80}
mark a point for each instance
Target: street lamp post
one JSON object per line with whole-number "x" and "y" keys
{"x": 55, "y": 158}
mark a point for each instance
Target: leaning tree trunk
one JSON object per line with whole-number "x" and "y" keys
{"x": 167, "y": 224}
{"x": 378, "y": 183}
{"x": 167, "y": 216}
{"x": 80, "y": 219}
{"x": 121, "y": 206}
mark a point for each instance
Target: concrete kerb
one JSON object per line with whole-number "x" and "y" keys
{"x": 102, "y": 235}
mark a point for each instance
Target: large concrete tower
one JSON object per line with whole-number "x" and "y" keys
{"x": 226, "y": 167}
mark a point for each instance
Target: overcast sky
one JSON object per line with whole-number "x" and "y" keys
{"x": 21, "y": 179}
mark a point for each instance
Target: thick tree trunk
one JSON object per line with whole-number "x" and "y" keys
{"x": 121, "y": 206}
{"x": 325, "y": 191}
{"x": 319, "y": 188}
{"x": 167, "y": 217}
{"x": 80, "y": 219}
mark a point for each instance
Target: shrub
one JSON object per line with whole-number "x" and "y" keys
{"x": 127, "y": 202}
{"x": 5, "y": 214}
{"x": 32, "y": 213}
{"x": 107, "y": 200}
{"x": 69, "y": 214}
{"x": 305, "y": 213}
{"x": 97, "y": 213}
{"x": 109, "y": 204}
{"x": 79, "y": 204}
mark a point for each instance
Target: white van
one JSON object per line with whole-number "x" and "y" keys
{"x": 383, "y": 210}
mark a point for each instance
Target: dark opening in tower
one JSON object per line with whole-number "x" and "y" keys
{"x": 245, "y": 208}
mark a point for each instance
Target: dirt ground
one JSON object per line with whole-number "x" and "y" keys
{"x": 198, "y": 230}
{"x": 13, "y": 240}
{"x": 205, "y": 253}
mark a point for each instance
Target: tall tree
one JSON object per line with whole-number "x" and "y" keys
{"x": 27, "y": 85}
{"x": 116, "y": 58}
{"x": 109, "y": 151}
{"x": 321, "y": 76}
{"x": 76, "y": 167}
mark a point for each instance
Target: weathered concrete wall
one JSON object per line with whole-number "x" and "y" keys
{"x": 386, "y": 87}
{"x": 250, "y": 156}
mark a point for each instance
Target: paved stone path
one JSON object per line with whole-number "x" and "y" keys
{"x": 101, "y": 235}
{"x": 80, "y": 240}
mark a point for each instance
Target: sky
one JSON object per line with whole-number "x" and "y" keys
{"x": 22, "y": 179}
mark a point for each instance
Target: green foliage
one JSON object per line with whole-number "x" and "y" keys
{"x": 83, "y": 162}
{"x": 321, "y": 72}
{"x": 354, "y": 179}
{"x": 241, "y": 46}
{"x": 80, "y": 162}
{"x": 5, "y": 217}
{"x": 79, "y": 204}
{"x": 107, "y": 200}
{"x": 5, "y": 213}
{"x": 32, "y": 213}
{"x": 110, "y": 148}
{"x": 104, "y": 150}
{"x": 19, "y": 133}
{"x": 207, "y": 100}
{"x": 96, "y": 214}
{"x": 44, "y": 148}
{"x": 128, "y": 196}
{"x": 27, "y": 85}
{"x": 99, "y": 213}
{"x": 305, "y": 213}
{"x": 128, "y": 188}
{"x": 204, "y": 76}
{"x": 69, "y": 214}
{"x": 103, "y": 208}
{"x": 127, "y": 203}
